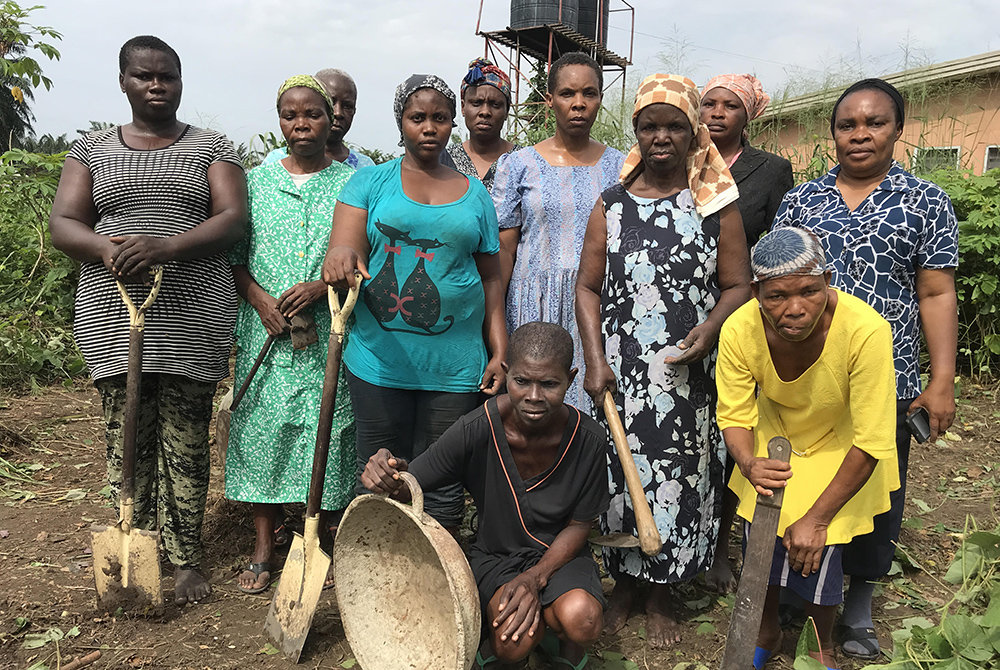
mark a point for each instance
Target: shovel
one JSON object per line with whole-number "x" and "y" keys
{"x": 303, "y": 333}
{"x": 649, "y": 535}
{"x": 294, "y": 603}
{"x": 745, "y": 622}
{"x": 126, "y": 559}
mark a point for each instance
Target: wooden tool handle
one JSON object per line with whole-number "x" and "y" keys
{"x": 133, "y": 392}
{"x": 256, "y": 364}
{"x": 338, "y": 323}
{"x": 649, "y": 535}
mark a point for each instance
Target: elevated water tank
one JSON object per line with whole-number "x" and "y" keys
{"x": 590, "y": 12}
{"x": 530, "y": 13}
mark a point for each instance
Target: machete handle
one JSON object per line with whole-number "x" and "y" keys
{"x": 649, "y": 535}
{"x": 778, "y": 449}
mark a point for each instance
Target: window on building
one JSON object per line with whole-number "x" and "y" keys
{"x": 992, "y": 158}
{"x": 928, "y": 159}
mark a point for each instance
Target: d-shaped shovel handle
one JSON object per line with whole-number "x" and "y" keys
{"x": 338, "y": 325}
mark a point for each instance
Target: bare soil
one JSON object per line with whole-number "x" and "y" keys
{"x": 52, "y": 475}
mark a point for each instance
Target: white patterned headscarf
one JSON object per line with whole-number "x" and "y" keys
{"x": 787, "y": 251}
{"x": 413, "y": 84}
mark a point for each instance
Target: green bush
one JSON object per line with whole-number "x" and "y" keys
{"x": 36, "y": 282}
{"x": 977, "y": 206}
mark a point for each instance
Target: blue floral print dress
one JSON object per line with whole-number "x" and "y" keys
{"x": 660, "y": 282}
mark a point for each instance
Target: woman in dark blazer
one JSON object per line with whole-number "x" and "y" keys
{"x": 728, "y": 103}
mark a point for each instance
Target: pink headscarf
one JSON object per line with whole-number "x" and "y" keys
{"x": 746, "y": 87}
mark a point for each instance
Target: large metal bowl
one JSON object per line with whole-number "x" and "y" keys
{"x": 407, "y": 597}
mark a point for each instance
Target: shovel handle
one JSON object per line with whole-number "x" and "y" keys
{"x": 338, "y": 324}
{"x": 649, "y": 535}
{"x": 133, "y": 391}
{"x": 416, "y": 494}
{"x": 253, "y": 370}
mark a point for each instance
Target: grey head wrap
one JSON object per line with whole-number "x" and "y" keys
{"x": 413, "y": 84}
{"x": 787, "y": 251}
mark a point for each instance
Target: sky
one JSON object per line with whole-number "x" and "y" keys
{"x": 235, "y": 54}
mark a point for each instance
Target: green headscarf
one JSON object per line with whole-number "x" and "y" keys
{"x": 307, "y": 81}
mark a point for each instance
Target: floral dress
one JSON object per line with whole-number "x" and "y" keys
{"x": 272, "y": 437}
{"x": 660, "y": 282}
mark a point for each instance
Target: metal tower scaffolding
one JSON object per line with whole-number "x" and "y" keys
{"x": 543, "y": 44}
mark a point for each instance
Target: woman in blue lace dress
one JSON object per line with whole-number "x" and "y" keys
{"x": 544, "y": 195}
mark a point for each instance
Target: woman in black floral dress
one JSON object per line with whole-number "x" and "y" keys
{"x": 664, "y": 263}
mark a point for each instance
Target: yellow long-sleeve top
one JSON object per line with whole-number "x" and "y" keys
{"x": 846, "y": 398}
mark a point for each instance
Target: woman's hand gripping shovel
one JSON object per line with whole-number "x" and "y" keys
{"x": 126, "y": 559}
{"x": 294, "y": 603}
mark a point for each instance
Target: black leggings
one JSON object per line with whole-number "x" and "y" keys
{"x": 407, "y": 422}
{"x": 870, "y": 556}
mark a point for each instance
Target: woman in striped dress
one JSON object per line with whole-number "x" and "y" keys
{"x": 156, "y": 192}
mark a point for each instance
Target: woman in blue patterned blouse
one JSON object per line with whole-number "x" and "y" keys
{"x": 892, "y": 240}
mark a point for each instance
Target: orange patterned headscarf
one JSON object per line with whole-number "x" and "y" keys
{"x": 712, "y": 187}
{"x": 746, "y": 87}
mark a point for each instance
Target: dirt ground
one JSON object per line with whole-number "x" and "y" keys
{"x": 51, "y": 482}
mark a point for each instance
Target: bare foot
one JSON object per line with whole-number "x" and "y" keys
{"x": 662, "y": 629}
{"x": 189, "y": 587}
{"x": 720, "y": 576}
{"x": 620, "y": 604}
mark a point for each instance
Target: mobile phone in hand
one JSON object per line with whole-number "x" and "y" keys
{"x": 919, "y": 424}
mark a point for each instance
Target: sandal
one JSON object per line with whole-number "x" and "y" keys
{"x": 481, "y": 662}
{"x": 281, "y": 536}
{"x": 863, "y": 636}
{"x": 760, "y": 657}
{"x": 257, "y": 569}
{"x": 560, "y": 660}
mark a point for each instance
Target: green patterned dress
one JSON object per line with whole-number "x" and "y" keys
{"x": 273, "y": 432}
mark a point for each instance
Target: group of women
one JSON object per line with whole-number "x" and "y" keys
{"x": 641, "y": 258}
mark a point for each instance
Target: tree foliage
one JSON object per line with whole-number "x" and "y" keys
{"x": 20, "y": 73}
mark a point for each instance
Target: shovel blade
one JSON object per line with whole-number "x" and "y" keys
{"x": 127, "y": 569}
{"x": 294, "y": 603}
{"x": 619, "y": 540}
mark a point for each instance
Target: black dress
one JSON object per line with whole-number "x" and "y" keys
{"x": 518, "y": 520}
{"x": 763, "y": 179}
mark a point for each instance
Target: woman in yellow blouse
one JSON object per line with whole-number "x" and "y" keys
{"x": 822, "y": 360}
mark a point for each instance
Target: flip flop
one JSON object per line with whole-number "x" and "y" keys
{"x": 760, "y": 657}
{"x": 281, "y": 536}
{"x": 865, "y": 637}
{"x": 560, "y": 660}
{"x": 257, "y": 569}
{"x": 481, "y": 662}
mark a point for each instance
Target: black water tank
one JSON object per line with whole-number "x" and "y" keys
{"x": 530, "y": 13}
{"x": 587, "y": 25}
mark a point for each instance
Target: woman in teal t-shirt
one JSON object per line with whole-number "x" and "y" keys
{"x": 417, "y": 359}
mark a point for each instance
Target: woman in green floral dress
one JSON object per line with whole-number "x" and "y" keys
{"x": 277, "y": 271}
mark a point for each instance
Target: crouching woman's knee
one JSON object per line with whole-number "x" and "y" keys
{"x": 578, "y": 617}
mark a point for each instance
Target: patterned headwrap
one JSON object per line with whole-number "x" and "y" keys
{"x": 483, "y": 72}
{"x": 746, "y": 87}
{"x": 305, "y": 81}
{"x": 712, "y": 187}
{"x": 414, "y": 84}
{"x": 787, "y": 251}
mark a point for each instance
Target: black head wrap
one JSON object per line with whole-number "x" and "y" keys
{"x": 871, "y": 85}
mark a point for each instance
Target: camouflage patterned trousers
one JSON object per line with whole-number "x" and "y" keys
{"x": 172, "y": 458}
